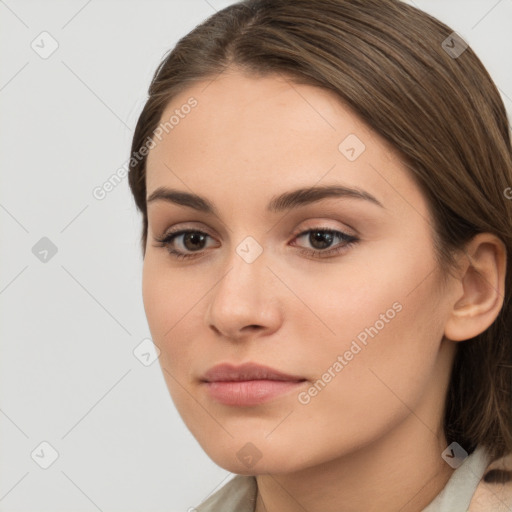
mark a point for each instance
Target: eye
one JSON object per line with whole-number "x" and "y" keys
{"x": 190, "y": 240}
{"x": 322, "y": 238}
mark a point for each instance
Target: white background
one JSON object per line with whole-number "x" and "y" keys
{"x": 69, "y": 326}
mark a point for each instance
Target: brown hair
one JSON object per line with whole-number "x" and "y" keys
{"x": 391, "y": 63}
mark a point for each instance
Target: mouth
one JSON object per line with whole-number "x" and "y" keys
{"x": 248, "y": 384}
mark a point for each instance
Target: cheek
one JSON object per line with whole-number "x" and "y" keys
{"x": 168, "y": 304}
{"x": 383, "y": 318}
{"x": 374, "y": 289}
{"x": 388, "y": 337}
{"x": 385, "y": 378}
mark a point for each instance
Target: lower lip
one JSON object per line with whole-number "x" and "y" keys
{"x": 249, "y": 392}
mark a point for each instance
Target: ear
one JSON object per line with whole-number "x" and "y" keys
{"x": 479, "y": 291}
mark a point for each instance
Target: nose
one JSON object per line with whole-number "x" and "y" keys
{"x": 245, "y": 301}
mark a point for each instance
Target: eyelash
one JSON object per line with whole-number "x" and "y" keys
{"x": 349, "y": 240}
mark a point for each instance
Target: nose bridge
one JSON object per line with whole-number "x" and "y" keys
{"x": 244, "y": 294}
{"x": 246, "y": 269}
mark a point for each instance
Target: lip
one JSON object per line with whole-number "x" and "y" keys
{"x": 246, "y": 371}
{"x": 248, "y": 384}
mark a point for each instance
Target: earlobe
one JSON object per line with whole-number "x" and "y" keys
{"x": 482, "y": 280}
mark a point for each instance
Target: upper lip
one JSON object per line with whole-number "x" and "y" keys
{"x": 247, "y": 371}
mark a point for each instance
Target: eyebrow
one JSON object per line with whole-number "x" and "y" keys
{"x": 280, "y": 203}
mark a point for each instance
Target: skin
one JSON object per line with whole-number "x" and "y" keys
{"x": 372, "y": 438}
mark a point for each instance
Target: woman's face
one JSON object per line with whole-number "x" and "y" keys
{"x": 338, "y": 291}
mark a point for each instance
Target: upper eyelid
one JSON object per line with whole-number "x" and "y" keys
{"x": 296, "y": 232}
{"x": 316, "y": 223}
{"x": 174, "y": 234}
{"x": 323, "y": 208}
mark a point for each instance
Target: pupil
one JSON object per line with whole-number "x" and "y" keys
{"x": 194, "y": 238}
{"x": 320, "y": 236}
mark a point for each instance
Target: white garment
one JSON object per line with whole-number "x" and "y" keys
{"x": 458, "y": 491}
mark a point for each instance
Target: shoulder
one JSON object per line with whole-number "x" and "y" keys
{"x": 238, "y": 495}
{"x": 494, "y": 491}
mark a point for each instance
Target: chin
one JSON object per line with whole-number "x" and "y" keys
{"x": 256, "y": 458}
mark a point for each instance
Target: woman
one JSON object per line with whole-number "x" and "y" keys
{"x": 326, "y": 234}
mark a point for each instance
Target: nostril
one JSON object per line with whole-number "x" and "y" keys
{"x": 252, "y": 327}
{"x": 215, "y": 329}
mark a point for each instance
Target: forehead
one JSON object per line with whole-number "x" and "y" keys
{"x": 254, "y": 136}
